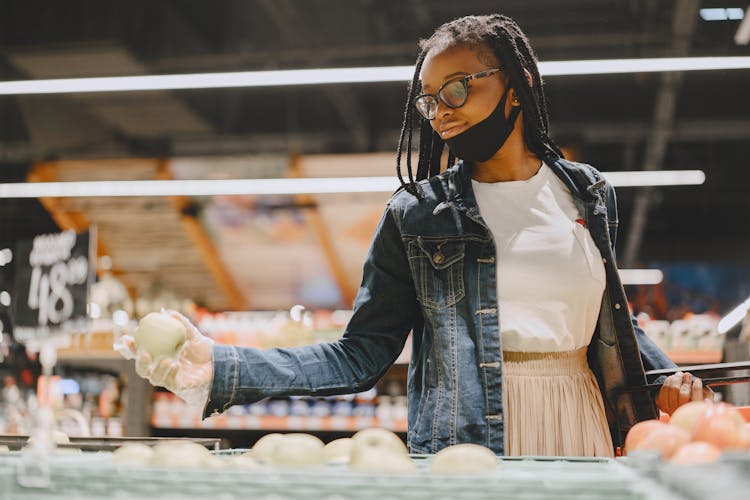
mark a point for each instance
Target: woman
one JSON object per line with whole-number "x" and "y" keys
{"x": 502, "y": 266}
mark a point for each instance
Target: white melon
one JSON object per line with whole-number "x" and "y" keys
{"x": 339, "y": 450}
{"x": 181, "y": 455}
{"x": 464, "y": 458}
{"x": 263, "y": 448}
{"x": 380, "y": 460}
{"x": 133, "y": 454}
{"x": 298, "y": 450}
{"x": 376, "y": 439}
{"x": 160, "y": 334}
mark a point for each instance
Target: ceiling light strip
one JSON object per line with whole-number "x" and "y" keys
{"x": 322, "y": 76}
{"x": 734, "y": 317}
{"x": 641, "y": 276}
{"x": 274, "y": 78}
{"x": 722, "y": 14}
{"x": 646, "y": 65}
{"x": 321, "y": 185}
{"x": 199, "y": 187}
{"x": 638, "y": 178}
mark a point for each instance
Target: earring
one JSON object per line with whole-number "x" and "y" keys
{"x": 515, "y": 100}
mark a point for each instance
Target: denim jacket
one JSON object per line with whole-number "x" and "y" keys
{"x": 431, "y": 270}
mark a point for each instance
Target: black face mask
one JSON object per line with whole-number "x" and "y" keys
{"x": 481, "y": 141}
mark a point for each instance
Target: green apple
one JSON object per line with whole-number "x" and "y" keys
{"x": 135, "y": 454}
{"x": 338, "y": 450}
{"x": 379, "y": 451}
{"x": 298, "y": 450}
{"x": 264, "y": 447}
{"x": 466, "y": 458}
{"x": 381, "y": 440}
{"x": 160, "y": 335}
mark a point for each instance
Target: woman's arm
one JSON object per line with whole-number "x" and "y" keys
{"x": 676, "y": 389}
{"x": 384, "y": 313}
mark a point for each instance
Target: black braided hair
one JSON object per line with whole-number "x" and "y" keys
{"x": 406, "y": 132}
{"x": 498, "y": 40}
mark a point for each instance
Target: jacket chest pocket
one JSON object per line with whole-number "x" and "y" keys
{"x": 591, "y": 254}
{"x": 437, "y": 266}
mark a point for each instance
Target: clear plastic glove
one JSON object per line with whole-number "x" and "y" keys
{"x": 188, "y": 374}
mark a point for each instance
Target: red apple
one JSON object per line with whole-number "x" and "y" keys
{"x": 665, "y": 439}
{"x": 722, "y": 426}
{"x": 695, "y": 453}
{"x": 746, "y": 435}
{"x": 638, "y": 432}
{"x": 686, "y": 415}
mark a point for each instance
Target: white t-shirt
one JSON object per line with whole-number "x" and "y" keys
{"x": 550, "y": 275}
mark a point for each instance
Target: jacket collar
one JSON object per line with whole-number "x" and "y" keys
{"x": 579, "y": 179}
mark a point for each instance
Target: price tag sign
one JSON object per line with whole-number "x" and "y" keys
{"x": 53, "y": 275}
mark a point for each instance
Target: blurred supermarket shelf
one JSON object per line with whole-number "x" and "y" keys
{"x": 284, "y": 424}
{"x": 695, "y": 357}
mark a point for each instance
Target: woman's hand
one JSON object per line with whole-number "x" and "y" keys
{"x": 188, "y": 374}
{"x": 679, "y": 389}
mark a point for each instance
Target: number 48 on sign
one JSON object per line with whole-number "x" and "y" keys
{"x": 53, "y": 275}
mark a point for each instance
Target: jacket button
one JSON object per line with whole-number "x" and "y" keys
{"x": 617, "y": 306}
{"x": 596, "y": 212}
{"x": 438, "y": 258}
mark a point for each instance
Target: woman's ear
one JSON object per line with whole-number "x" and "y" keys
{"x": 528, "y": 77}
{"x": 515, "y": 99}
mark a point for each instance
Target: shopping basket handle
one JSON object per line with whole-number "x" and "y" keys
{"x": 712, "y": 375}
{"x": 713, "y": 369}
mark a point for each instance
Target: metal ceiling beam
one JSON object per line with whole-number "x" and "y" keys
{"x": 286, "y": 18}
{"x": 325, "y": 237}
{"x": 422, "y": 15}
{"x": 684, "y": 130}
{"x": 684, "y": 21}
{"x": 180, "y": 29}
{"x": 405, "y": 51}
{"x": 698, "y": 131}
{"x": 205, "y": 246}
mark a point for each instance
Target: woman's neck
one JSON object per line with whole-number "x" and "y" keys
{"x": 513, "y": 162}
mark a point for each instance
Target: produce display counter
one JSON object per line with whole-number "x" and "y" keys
{"x": 727, "y": 479}
{"x": 96, "y": 476}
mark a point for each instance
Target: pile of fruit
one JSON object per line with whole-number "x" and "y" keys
{"x": 370, "y": 451}
{"x": 697, "y": 433}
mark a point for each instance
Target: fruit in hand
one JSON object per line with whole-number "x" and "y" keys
{"x": 160, "y": 335}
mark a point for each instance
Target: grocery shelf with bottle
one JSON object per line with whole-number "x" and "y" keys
{"x": 694, "y": 339}
{"x": 347, "y": 413}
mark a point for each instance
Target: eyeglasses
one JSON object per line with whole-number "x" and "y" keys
{"x": 453, "y": 93}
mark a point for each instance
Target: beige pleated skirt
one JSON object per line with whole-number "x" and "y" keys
{"x": 553, "y": 406}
